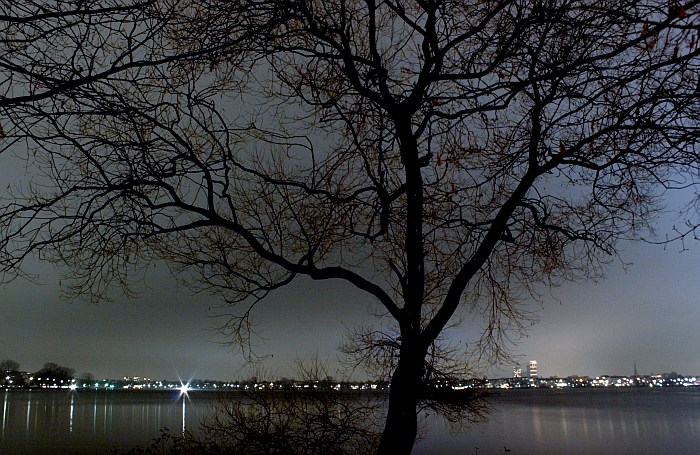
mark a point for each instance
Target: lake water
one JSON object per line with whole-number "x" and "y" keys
{"x": 600, "y": 421}
{"x": 93, "y": 422}
{"x": 578, "y": 421}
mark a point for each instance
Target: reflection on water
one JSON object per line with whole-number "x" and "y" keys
{"x": 87, "y": 421}
{"x": 4, "y": 415}
{"x": 631, "y": 421}
{"x": 184, "y": 397}
{"x": 72, "y": 400}
{"x": 639, "y": 421}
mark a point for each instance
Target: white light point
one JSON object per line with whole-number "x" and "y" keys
{"x": 184, "y": 388}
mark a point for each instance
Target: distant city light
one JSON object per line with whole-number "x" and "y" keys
{"x": 184, "y": 388}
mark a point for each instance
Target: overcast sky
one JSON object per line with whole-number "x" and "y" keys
{"x": 648, "y": 314}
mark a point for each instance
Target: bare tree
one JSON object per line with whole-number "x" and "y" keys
{"x": 444, "y": 157}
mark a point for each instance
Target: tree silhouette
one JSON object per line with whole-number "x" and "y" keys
{"x": 9, "y": 374}
{"x": 54, "y": 375}
{"x": 8, "y": 366}
{"x": 444, "y": 157}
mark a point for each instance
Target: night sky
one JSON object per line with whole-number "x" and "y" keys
{"x": 648, "y": 314}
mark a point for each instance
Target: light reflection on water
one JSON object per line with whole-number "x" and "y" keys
{"x": 87, "y": 421}
{"x": 638, "y": 421}
{"x": 631, "y": 421}
{"x": 4, "y": 415}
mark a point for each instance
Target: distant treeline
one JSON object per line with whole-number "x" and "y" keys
{"x": 51, "y": 375}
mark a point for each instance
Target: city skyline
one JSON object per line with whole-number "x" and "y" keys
{"x": 82, "y": 380}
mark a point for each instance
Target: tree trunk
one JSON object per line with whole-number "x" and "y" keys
{"x": 401, "y": 425}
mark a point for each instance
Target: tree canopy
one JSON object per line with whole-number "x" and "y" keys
{"x": 444, "y": 157}
{"x": 53, "y": 374}
{"x": 8, "y": 366}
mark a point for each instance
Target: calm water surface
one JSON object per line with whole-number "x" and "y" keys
{"x": 93, "y": 422}
{"x": 630, "y": 421}
{"x": 578, "y": 421}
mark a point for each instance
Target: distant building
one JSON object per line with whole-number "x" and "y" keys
{"x": 517, "y": 372}
{"x": 532, "y": 368}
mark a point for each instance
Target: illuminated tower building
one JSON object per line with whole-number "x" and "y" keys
{"x": 517, "y": 372}
{"x": 532, "y": 368}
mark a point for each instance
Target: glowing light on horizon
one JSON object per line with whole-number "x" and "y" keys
{"x": 184, "y": 388}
